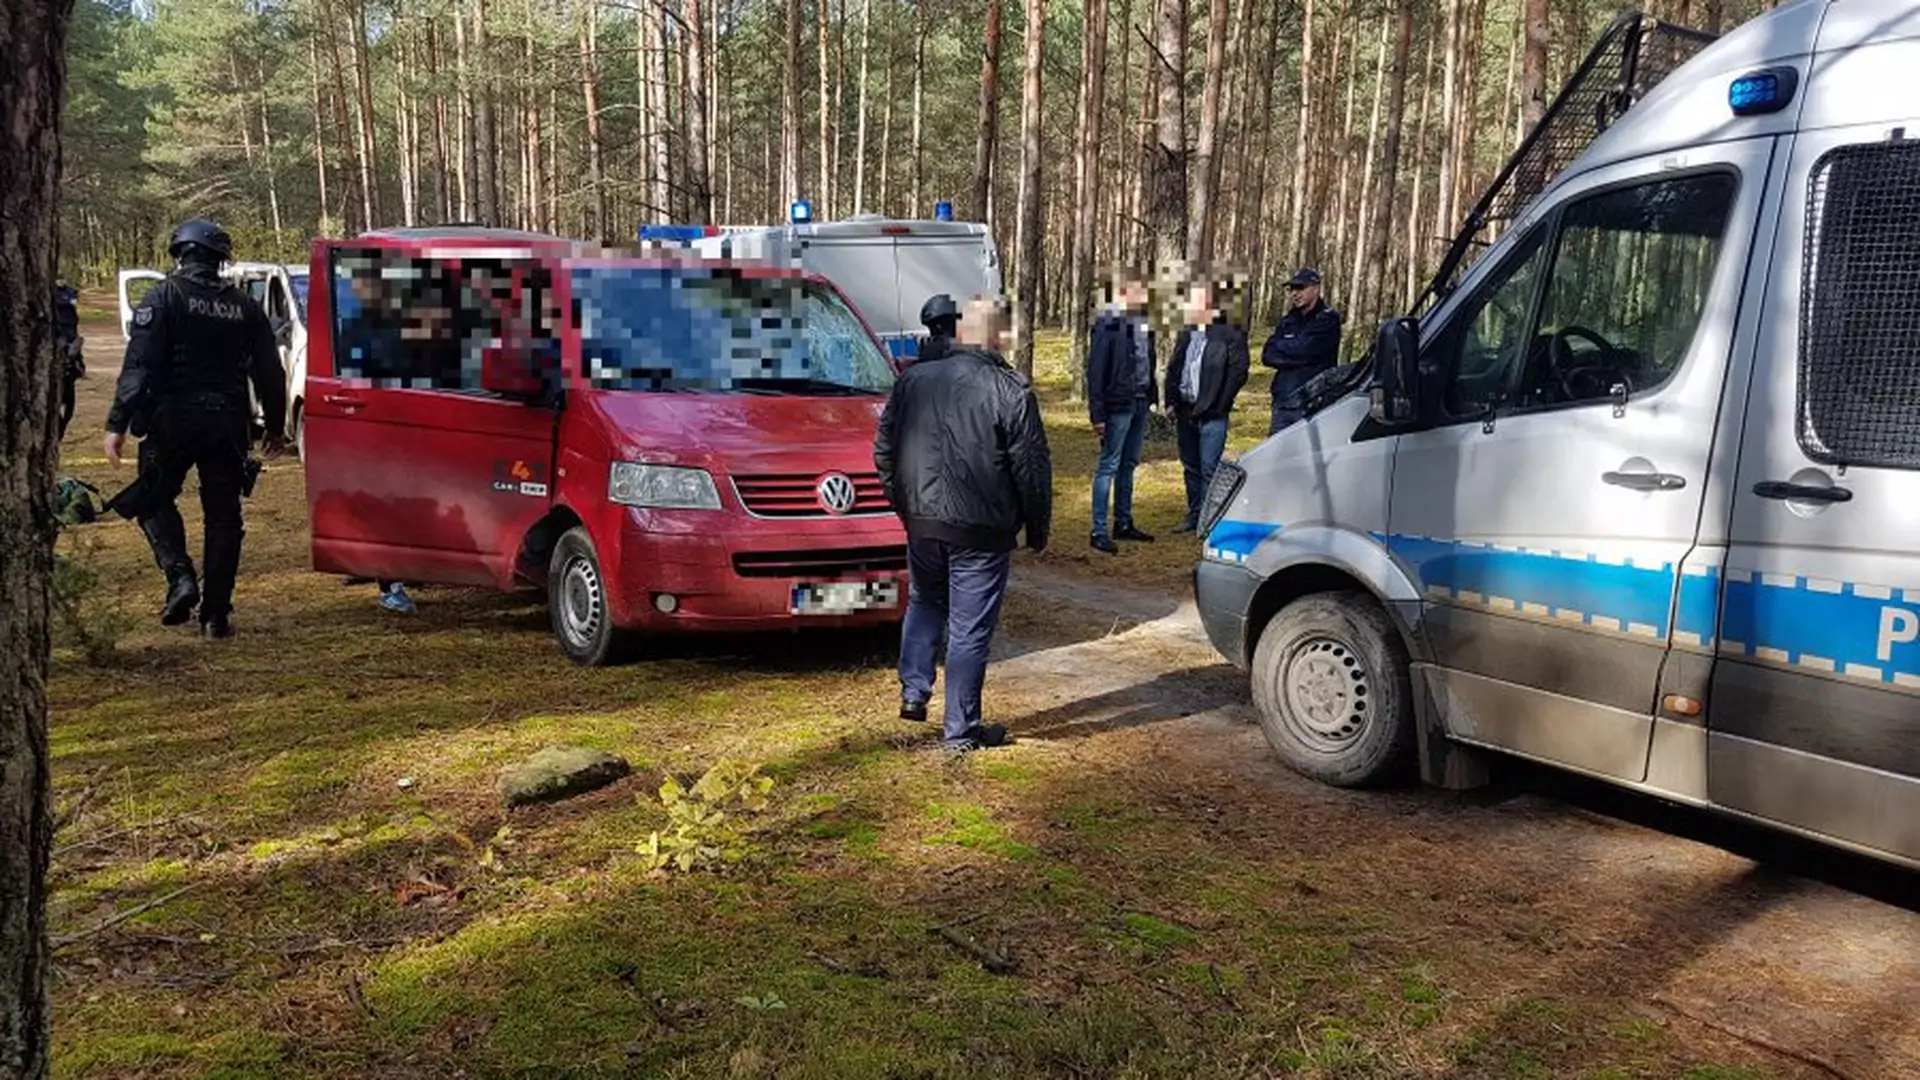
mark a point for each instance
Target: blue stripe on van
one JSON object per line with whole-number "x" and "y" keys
{"x": 1567, "y": 587}
{"x": 902, "y": 346}
{"x": 1843, "y": 628}
{"x": 1234, "y": 541}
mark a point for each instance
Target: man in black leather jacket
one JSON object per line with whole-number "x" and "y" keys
{"x": 963, "y": 456}
{"x": 196, "y": 341}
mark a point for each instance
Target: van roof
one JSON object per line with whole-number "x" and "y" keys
{"x": 464, "y": 232}
{"x": 1828, "y": 41}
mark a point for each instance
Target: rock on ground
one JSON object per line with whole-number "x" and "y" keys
{"x": 560, "y": 772}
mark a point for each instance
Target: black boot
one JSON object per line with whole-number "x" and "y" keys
{"x": 217, "y": 628}
{"x": 168, "y": 539}
{"x": 183, "y": 595}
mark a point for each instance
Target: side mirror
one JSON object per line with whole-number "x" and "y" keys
{"x": 1396, "y": 397}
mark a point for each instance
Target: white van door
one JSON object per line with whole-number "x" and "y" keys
{"x": 865, "y": 271}
{"x": 1548, "y": 515}
{"x": 1814, "y": 719}
{"x": 132, "y": 287}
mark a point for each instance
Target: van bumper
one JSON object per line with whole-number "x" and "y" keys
{"x": 720, "y": 581}
{"x": 1223, "y": 593}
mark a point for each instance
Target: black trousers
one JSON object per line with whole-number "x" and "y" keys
{"x": 209, "y": 437}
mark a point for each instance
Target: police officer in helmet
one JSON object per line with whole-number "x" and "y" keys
{"x": 195, "y": 342}
{"x": 941, "y": 316}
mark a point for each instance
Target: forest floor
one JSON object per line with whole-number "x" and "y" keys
{"x": 336, "y": 890}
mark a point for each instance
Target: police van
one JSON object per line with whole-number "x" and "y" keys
{"x": 1639, "y": 494}
{"x": 887, "y": 267}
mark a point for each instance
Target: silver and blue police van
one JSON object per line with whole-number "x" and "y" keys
{"x": 1638, "y": 495}
{"x": 887, "y": 267}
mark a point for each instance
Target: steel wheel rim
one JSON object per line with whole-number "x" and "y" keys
{"x": 1326, "y": 694}
{"x": 581, "y": 601}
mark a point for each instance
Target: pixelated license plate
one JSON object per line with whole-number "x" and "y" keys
{"x": 844, "y": 597}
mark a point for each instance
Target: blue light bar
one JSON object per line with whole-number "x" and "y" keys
{"x": 677, "y": 232}
{"x": 800, "y": 212}
{"x": 1765, "y": 91}
{"x": 943, "y": 211}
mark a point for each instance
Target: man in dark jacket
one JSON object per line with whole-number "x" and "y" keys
{"x": 1204, "y": 376}
{"x": 1120, "y": 393}
{"x": 66, "y": 337}
{"x": 196, "y": 342}
{"x": 1305, "y": 343}
{"x": 963, "y": 457}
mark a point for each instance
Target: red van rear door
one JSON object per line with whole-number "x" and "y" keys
{"x": 415, "y": 470}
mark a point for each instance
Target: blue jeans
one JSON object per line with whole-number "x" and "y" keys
{"x": 953, "y": 593}
{"x": 1119, "y": 457}
{"x": 1201, "y": 444}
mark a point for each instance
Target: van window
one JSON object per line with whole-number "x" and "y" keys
{"x": 408, "y": 322}
{"x": 680, "y": 329}
{"x": 1860, "y": 317}
{"x": 1628, "y": 282}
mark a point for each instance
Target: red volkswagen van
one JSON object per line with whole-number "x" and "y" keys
{"x": 664, "y": 444}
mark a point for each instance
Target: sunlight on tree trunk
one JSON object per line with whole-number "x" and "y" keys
{"x": 1027, "y": 290}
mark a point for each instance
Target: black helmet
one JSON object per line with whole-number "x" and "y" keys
{"x": 201, "y": 233}
{"x": 939, "y": 307}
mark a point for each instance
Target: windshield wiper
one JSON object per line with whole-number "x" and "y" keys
{"x": 801, "y": 386}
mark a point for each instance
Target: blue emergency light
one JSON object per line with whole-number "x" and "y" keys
{"x": 1765, "y": 91}
{"x": 800, "y": 212}
{"x": 683, "y": 233}
{"x": 943, "y": 211}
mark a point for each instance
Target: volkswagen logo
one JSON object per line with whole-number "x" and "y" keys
{"x": 836, "y": 493}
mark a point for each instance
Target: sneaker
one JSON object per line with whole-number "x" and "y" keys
{"x": 979, "y": 737}
{"x": 1128, "y": 532}
{"x": 914, "y": 711}
{"x": 397, "y": 601}
{"x": 1104, "y": 544}
{"x": 218, "y": 628}
{"x": 183, "y": 595}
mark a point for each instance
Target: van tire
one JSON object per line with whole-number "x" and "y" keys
{"x": 1332, "y": 688}
{"x": 577, "y": 604}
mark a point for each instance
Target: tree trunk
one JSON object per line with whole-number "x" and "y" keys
{"x": 1360, "y": 281}
{"x": 1031, "y": 192}
{"x": 33, "y": 86}
{"x": 1206, "y": 187}
{"x": 1167, "y": 207}
{"x": 485, "y": 136}
{"x": 1303, "y": 137}
{"x": 443, "y": 156}
{"x": 825, "y": 193}
{"x": 860, "y": 138}
{"x": 464, "y": 129}
{"x": 886, "y": 119}
{"x": 1416, "y": 225}
{"x": 590, "y": 95}
{"x": 1378, "y": 276}
{"x": 790, "y": 100}
{"x": 1533, "y": 80}
{"x": 266, "y": 149}
{"x": 1093, "y": 103}
{"x": 1443, "y": 214}
{"x": 536, "y": 204}
{"x": 835, "y": 196}
{"x": 319, "y": 136}
{"x": 985, "y": 148}
{"x": 1713, "y": 17}
{"x": 363, "y": 74}
{"x": 699, "y": 174}
{"x": 408, "y": 177}
{"x": 1336, "y": 161}
{"x": 919, "y": 106}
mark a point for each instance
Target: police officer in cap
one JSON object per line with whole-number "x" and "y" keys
{"x": 196, "y": 341}
{"x": 941, "y": 316}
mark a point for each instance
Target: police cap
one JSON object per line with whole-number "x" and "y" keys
{"x": 202, "y": 233}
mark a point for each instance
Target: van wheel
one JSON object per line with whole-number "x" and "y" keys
{"x": 1330, "y": 681}
{"x": 577, "y": 603}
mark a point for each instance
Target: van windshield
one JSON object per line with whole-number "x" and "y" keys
{"x": 695, "y": 329}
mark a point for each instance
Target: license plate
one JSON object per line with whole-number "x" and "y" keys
{"x": 844, "y": 597}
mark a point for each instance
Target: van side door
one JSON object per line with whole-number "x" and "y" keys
{"x": 1549, "y": 513}
{"x": 1814, "y": 718}
{"x": 414, "y": 470}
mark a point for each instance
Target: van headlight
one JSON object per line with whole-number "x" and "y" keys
{"x": 1227, "y": 478}
{"x": 666, "y": 487}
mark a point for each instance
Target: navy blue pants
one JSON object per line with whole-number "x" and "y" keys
{"x": 953, "y": 594}
{"x": 1119, "y": 457}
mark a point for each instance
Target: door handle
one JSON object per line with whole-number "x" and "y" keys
{"x": 345, "y": 401}
{"x": 1787, "y": 490}
{"x": 1645, "y": 481}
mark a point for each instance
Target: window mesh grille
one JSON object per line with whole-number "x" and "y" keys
{"x": 1859, "y": 393}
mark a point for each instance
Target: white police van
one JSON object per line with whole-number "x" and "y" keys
{"x": 887, "y": 267}
{"x": 1640, "y": 497}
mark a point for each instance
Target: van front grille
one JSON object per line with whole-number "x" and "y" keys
{"x": 824, "y": 563}
{"x": 788, "y": 495}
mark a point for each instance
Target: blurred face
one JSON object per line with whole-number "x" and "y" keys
{"x": 1200, "y": 308}
{"x": 1133, "y": 296}
{"x": 1304, "y": 296}
{"x": 982, "y": 325}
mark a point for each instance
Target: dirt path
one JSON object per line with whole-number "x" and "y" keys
{"x": 1536, "y": 893}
